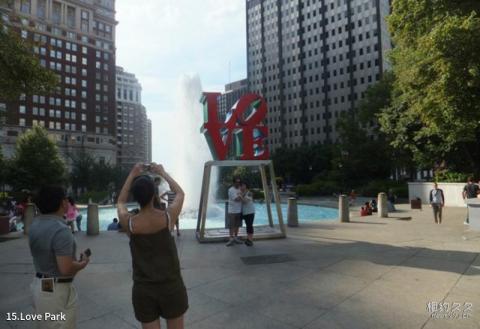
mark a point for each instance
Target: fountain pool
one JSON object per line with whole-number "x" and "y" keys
{"x": 216, "y": 215}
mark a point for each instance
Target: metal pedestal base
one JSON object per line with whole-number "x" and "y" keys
{"x": 261, "y": 232}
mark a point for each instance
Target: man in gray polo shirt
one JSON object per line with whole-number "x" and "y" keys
{"x": 54, "y": 256}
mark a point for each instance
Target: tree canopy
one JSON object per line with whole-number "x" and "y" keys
{"x": 36, "y": 161}
{"x": 89, "y": 174}
{"x": 435, "y": 112}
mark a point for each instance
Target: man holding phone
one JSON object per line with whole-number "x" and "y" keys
{"x": 53, "y": 249}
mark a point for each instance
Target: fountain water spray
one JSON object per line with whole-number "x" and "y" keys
{"x": 191, "y": 151}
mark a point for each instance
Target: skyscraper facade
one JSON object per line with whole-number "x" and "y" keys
{"x": 233, "y": 92}
{"x": 76, "y": 41}
{"x": 132, "y": 124}
{"x": 313, "y": 60}
{"x": 148, "y": 139}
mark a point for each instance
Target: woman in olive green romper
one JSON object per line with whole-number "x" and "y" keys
{"x": 158, "y": 288}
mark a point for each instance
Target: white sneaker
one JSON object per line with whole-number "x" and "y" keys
{"x": 466, "y": 223}
{"x": 238, "y": 240}
{"x": 230, "y": 242}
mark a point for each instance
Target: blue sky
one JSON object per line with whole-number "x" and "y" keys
{"x": 161, "y": 40}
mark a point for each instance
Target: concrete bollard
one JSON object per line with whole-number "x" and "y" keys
{"x": 28, "y": 217}
{"x": 382, "y": 205}
{"x": 92, "y": 219}
{"x": 343, "y": 209}
{"x": 292, "y": 213}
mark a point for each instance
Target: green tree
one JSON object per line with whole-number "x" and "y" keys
{"x": 435, "y": 112}
{"x": 20, "y": 70}
{"x": 36, "y": 161}
{"x": 377, "y": 98}
{"x": 82, "y": 166}
{"x": 3, "y": 169}
{"x": 89, "y": 174}
{"x": 361, "y": 156}
{"x": 300, "y": 165}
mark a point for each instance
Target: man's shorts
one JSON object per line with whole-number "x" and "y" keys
{"x": 234, "y": 220}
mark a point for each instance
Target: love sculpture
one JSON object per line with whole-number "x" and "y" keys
{"x": 243, "y": 129}
{"x": 237, "y": 141}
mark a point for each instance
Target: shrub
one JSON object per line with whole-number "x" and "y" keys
{"x": 447, "y": 176}
{"x": 372, "y": 188}
{"x": 318, "y": 187}
{"x": 258, "y": 194}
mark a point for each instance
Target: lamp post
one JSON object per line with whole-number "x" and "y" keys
{"x": 344, "y": 158}
{"x": 340, "y": 166}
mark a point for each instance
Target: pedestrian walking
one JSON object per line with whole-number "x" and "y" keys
{"x": 437, "y": 201}
{"x": 470, "y": 191}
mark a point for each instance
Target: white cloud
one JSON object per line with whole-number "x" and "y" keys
{"x": 159, "y": 40}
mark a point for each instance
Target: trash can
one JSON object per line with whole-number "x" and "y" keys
{"x": 4, "y": 224}
{"x": 416, "y": 203}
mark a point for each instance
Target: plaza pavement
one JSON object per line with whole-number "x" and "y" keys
{"x": 371, "y": 273}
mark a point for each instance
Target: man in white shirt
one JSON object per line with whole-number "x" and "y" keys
{"x": 234, "y": 211}
{"x": 437, "y": 200}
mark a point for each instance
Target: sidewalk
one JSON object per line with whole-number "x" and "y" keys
{"x": 370, "y": 273}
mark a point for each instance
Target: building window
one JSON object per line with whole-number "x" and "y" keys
{"x": 85, "y": 21}
{"x": 22, "y": 109}
{"x": 57, "y": 12}
{"x": 42, "y": 9}
{"x": 71, "y": 17}
{"x": 25, "y": 6}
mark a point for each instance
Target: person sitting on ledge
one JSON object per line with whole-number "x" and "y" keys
{"x": 363, "y": 211}
{"x": 113, "y": 226}
{"x": 373, "y": 203}
{"x": 368, "y": 208}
